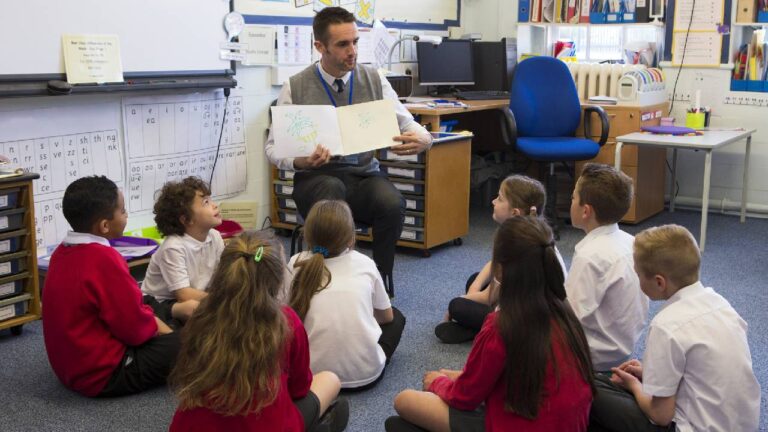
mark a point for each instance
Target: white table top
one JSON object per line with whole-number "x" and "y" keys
{"x": 709, "y": 140}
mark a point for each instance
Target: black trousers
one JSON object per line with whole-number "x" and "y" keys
{"x": 615, "y": 410}
{"x": 374, "y": 201}
{"x": 388, "y": 341}
{"x": 469, "y": 314}
{"x": 144, "y": 366}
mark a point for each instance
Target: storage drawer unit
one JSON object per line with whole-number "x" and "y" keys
{"x": 19, "y": 283}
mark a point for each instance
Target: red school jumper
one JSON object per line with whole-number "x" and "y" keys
{"x": 282, "y": 415}
{"x": 564, "y": 408}
{"x": 92, "y": 310}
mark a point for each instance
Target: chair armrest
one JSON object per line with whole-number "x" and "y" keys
{"x": 604, "y": 124}
{"x": 508, "y": 127}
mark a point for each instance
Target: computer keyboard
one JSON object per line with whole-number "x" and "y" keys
{"x": 482, "y": 94}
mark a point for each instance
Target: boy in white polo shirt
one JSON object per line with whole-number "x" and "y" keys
{"x": 179, "y": 271}
{"x": 697, "y": 369}
{"x": 602, "y": 286}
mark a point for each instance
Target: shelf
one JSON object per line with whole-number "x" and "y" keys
{"x": 750, "y": 24}
{"x": 548, "y": 24}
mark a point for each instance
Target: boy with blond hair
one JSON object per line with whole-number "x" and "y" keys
{"x": 602, "y": 286}
{"x": 696, "y": 373}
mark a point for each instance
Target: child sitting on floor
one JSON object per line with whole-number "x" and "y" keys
{"x": 179, "y": 271}
{"x": 339, "y": 294}
{"x": 696, "y": 372}
{"x": 244, "y": 362}
{"x": 529, "y": 368}
{"x": 100, "y": 339}
{"x": 518, "y": 195}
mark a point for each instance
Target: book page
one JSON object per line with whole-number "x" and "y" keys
{"x": 368, "y": 126}
{"x": 298, "y": 129}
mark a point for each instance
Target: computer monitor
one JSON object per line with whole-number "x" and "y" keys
{"x": 447, "y": 64}
{"x": 494, "y": 63}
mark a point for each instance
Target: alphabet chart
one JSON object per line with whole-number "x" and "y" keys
{"x": 174, "y": 136}
{"x": 62, "y": 145}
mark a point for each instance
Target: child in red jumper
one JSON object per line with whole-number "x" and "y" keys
{"x": 101, "y": 340}
{"x": 529, "y": 364}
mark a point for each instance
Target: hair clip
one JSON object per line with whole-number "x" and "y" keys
{"x": 259, "y": 253}
{"x": 321, "y": 250}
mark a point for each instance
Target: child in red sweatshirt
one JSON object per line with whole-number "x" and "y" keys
{"x": 101, "y": 340}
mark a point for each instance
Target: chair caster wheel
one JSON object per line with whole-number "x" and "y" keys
{"x": 16, "y": 330}
{"x": 458, "y": 241}
{"x": 425, "y": 253}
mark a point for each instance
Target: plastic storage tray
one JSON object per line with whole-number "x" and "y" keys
{"x": 12, "y": 219}
{"x": 13, "y": 263}
{"x": 13, "y": 285}
{"x": 14, "y": 306}
{"x": 11, "y": 242}
{"x": 9, "y": 198}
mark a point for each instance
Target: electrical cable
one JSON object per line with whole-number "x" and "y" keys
{"x": 682, "y": 57}
{"x": 218, "y": 146}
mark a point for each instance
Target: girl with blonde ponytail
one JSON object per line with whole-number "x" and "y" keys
{"x": 244, "y": 361}
{"x": 339, "y": 294}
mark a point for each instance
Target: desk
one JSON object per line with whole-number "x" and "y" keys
{"x": 431, "y": 116}
{"x": 707, "y": 142}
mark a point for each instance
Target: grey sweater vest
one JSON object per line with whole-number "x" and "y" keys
{"x": 307, "y": 89}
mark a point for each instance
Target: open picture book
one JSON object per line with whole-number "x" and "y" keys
{"x": 352, "y": 129}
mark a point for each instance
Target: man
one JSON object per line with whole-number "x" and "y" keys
{"x": 338, "y": 80}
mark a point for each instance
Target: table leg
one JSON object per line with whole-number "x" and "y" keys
{"x": 745, "y": 185}
{"x": 673, "y": 194}
{"x": 705, "y": 200}
{"x": 617, "y": 157}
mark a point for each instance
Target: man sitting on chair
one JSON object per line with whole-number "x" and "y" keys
{"x": 338, "y": 80}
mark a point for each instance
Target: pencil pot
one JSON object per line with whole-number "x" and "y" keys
{"x": 695, "y": 120}
{"x": 762, "y": 16}
{"x": 755, "y": 85}
{"x": 738, "y": 85}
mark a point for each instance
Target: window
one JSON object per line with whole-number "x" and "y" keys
{"x": 596, "y": 43}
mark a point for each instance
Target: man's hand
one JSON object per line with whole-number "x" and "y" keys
{"x": 412, "y": 143}
{"x": 318, "y": 158}
{"x": 429, "y": 377}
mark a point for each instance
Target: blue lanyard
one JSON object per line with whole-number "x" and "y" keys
{"x": 328, "y": 90}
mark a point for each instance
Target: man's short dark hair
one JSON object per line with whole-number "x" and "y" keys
{"x": 607, "y": 190}
{"x": 175, "y": 201}
{"x": 88, "y": 200}
{"x": 327, "y": 17}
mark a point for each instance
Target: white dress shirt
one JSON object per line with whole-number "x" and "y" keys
{"x": 697, "y": 349}
{"x": 404, "y": 118}
{"x": 604, "y": 292}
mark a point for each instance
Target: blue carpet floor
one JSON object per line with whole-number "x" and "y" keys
{"x": 735, "y": 263}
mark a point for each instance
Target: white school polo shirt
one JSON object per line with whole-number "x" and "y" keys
{"x": 343, "y": 333}
{"x": 181, "y": 262}
{"x": 697, "y": 349}
{"x": 605, "y": 295}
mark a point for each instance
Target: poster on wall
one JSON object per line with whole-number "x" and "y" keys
{"x": 364, "y": 11}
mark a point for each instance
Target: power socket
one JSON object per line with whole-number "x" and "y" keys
{"x": 683, "y": 96}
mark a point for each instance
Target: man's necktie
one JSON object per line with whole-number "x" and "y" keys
{"x": 339, "y": 85}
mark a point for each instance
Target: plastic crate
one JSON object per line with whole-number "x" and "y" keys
{"x": 13, "y": 285}
{"x": 286, "y": 203}
{"x": 415, "y": 203}
{"x": 389, "y": 155}
{"x": 288, "y": 216}
{"x": 403, "y": 171}
{"x": 410, "y": 234}
{"x": 283, "y": 189}
{"x": 14, "y": 306}
{"x": 11, "y": 242}
{"x": 13, "y": 263}
{"x": 411, "y": 188}
{"x": 413, "y": 220}
{"x": 285, "y": 174}
{"x": 12, "y": 219}
{"x": 9, "y": 198}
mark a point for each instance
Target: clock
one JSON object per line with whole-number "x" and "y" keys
{"x": 233, "y": 24}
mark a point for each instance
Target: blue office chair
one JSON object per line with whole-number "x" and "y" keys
{"x": 544, "y": 112}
